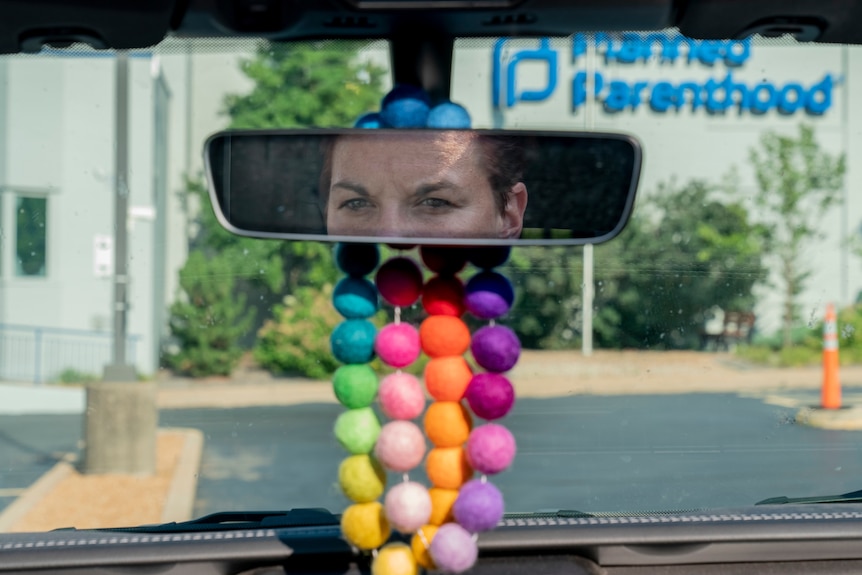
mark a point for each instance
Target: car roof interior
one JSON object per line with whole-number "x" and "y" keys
{"x": 421, "y": 32}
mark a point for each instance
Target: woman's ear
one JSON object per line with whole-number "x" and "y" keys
{"x": 513, "y": 216}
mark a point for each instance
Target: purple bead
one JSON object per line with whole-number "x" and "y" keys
{"x": 491, "y": 448}
{"x": 496, "y": 348}
{"x": 489, "y": 257}
{"x": 479, "y": 506}
{"x": 453, "y": 549}
{"x": 489, "y": 295}
{"x": 490, "y": 395}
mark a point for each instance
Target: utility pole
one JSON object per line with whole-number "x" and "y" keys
{"x": 121, "y": 416}
{"x": 588, "y": 289}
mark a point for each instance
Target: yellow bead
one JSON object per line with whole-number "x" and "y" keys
{"x": 420, "y": 543}
{"x": 364, "y": 525}
{"x": 394, "y": 559}
{"x": 362, "y": 478}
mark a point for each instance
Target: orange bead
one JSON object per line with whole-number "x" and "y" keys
{"x": 420, "y": 543}
{"x": 442, "y": 501}
{"x": 447, "y": 423}
{"x": 447, "y": 378}
{"x": 447, "y": 467}
{"x": 443, "y": 335}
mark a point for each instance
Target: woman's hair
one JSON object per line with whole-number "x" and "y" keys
{"x": 504, "y": 160}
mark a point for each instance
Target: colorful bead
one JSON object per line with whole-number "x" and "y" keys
{"x": 397, "y": 344}
{"x": 453, "y": 549}
{"x": 447, "y": 467}
{"x": 407, "y": 506}
{"x": 442, "y": 501}
{"x": 399, "y": 281}
{"x": 447, "y": 424}
{"x": 447, "y": 378}
{"x": 442, "y": 336}
{"x": 443, "y": 260}
{"x": 488, "y": 258}
{"x": 364, "y": 525}
{"x": 400, "y": 446}
{"x": 496, "y": 348}
{"x": 420, "y": 543}
{"x": 490, "y": 395}
{"x": 355, "y": 385}
{"x": 362, "y": 478}
{"x": 395, "y": 559}
{"x": 489, "y": 295}
{"x": 444, "y": 295}
{"x": 353, "y": 341}
{"x": 490, "y": 448}
{"x": 355, "y": 298}
{"x": 357, "y": 260}
{"x": 401, "y": 396}
{"x": 479, "y": 506}
{"x": 357, "y": 430}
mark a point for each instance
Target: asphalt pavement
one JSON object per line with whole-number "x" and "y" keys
{"x": 590, "y": 453}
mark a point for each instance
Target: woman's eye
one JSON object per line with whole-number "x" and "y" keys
{"x": 355, "y": 204}
{"x": 437, "y": 203}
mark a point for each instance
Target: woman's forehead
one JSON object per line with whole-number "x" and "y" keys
{"x": 447, "y": 146}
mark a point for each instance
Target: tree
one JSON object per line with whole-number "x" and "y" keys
{"x": 683, "y": 251}
{"x": 320, "y": 84}
{"x": 797, "y": 184}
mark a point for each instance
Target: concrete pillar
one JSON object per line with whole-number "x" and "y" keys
{"x": 120, "y": 428}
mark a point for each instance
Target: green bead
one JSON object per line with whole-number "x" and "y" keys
{"x": 355, "y": 385}
{"x": 357, "y": 430}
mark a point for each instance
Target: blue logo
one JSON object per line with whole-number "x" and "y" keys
{"x": 716, "y": 95}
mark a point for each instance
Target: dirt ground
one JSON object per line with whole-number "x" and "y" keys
{"x": 537, "y": 374}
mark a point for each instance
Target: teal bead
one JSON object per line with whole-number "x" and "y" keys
{"x": 352, "y": 341}
{"x": 355, "y": 298}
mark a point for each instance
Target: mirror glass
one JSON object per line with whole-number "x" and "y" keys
{"x": 429, "y": 186}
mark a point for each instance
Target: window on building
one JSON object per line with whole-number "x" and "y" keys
{"x": 31, "y": 220}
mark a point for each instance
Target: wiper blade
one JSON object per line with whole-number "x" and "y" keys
{"x": 852, "y": 497}
{"x": 231, "y": 520}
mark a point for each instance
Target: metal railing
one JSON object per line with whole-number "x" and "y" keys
{"x": 41, "y": 354}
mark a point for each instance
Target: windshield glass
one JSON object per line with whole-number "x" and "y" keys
{"x": 674, "y": 367}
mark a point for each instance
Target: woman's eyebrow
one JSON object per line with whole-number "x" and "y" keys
{"x": 352, "y": 187}
{"x": 430, "y": 188}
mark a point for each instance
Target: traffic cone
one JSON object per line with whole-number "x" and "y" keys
{"x": 830, "y": 395}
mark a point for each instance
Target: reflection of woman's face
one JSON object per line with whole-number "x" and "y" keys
{"x": 417, "y": 185}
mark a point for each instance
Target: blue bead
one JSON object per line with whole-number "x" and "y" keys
{"x": 402, "y": 91}
{"x": 449, "y": 116}
{"x": 405, "y": 113}
{"x": 371, "y": 120}
{"x": 355, "y": 298}
{"x": 352, "y": 341}
{"x": 357, "y": 260}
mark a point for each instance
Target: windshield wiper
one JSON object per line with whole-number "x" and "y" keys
{"x": 230, "y": 520}
{"x": 852, "y": 497}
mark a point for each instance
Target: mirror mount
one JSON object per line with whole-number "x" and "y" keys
{"x": 425, "y": 61}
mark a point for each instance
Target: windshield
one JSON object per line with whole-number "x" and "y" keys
{"x": 671, "y": 368}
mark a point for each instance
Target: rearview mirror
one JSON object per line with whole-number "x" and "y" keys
{"x": 457, "y": 187}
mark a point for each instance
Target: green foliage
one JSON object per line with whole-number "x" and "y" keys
{"x": 72, "y": 376}
{"x": 798, "y": 183}
{"x": 683, "y": 252}
{"x": 807, "y": 343}
{"x": 210, "y": 322}
{"x": 306, "y": 85}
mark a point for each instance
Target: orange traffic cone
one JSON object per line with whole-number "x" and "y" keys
{"x": 830, "y": 395}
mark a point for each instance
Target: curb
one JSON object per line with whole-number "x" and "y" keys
{"x": 33, "y": 494}
{"x": 179, "y": 501}
{"x": 847, "y": 419}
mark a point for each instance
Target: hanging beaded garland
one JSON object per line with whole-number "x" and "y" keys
{"x": 443, "y": 520}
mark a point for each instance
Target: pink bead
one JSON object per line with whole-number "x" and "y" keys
{"x": 407, "y": 506}
{"x": 401, "y": 396}
{"x": 490, "y": 448}
{"x": 397, "y": 344}
{"x": 400, "y": 446}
